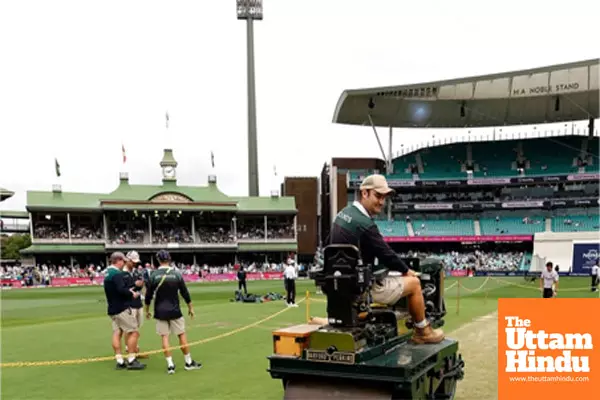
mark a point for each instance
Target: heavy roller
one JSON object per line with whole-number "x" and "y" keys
{"x": 363, "y": 350}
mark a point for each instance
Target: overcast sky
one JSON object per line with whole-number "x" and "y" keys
{"x": 79, "y": 78}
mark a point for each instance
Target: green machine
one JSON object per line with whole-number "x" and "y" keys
{"x": 363, "y": 350}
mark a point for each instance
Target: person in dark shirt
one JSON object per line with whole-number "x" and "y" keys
{"x": 134, "y": 280}
{"x": 355, "y": 225}
{"x": 166, "y": 283}
{"x": 241, "y": 277}
{"x": 119, "y": 296}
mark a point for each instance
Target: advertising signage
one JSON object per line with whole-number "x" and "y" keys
{"x": 488, "y": 205}
{"x": 400, "y": 183}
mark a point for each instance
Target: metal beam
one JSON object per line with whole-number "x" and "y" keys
{"x": 377, "y": 137}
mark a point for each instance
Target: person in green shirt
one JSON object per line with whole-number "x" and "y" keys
{"x": 355, "y": 225}
{"x": 119, "y": 296}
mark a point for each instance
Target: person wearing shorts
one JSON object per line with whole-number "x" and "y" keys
{"x": 354, "y": 225}
{"x": 549, "y": 281}
{"x": 165, "y": 285}
{"x": 135, "y": 281}
{"x": 118, "y": 298}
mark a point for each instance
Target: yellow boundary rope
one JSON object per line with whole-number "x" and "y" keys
{"x": 241, "y": 329}
{"x": 109, "y": 358}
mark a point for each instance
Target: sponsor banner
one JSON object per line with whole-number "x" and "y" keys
{"x": 232, "y": 276}
{"x": 481, "y": 206}
{"x": 542, "y": 356}
{"x": 397, "y": 183}
{"x": 63, "y": 282}
{"x": 58, "y": 282}
{"x": 583, "y": 177}
{"x": 491, "y": 238}
{"x": 500, "y": 273}
{"x": 523, "y": 273}
{"x": 433, "y": 206}
{"x": 458, "y": 272}
{"x": 585, "y": 256}
{"x": 523, "y": 204}
{"x": 11, "y": 283}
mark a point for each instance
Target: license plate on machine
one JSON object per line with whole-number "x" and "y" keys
{"x": 336, "y": 357}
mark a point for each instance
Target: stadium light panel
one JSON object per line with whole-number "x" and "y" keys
{"x": 252, "y": 9}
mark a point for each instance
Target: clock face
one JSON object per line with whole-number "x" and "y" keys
{"x": 169, "y": 172}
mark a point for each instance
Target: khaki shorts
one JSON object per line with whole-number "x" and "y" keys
{"x": 389, "y": 291}
{"x": 175, "y": 327}
{"x": 139, "y": 316}
{"x": 125, "y": 321}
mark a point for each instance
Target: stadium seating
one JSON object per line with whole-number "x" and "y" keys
{"x": 443, "y": 227}
{"x": 402, "y": 167}
{"x": 552, "y": 155}
{"x": 392, "y": 228}
{"x": 576, "y": 223}
{"x": 495, "y": 159}
{"x": 444, "y": 162}
{"x": 512, "y": 226}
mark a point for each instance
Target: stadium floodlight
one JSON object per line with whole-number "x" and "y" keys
{"x": 250, "y": 10}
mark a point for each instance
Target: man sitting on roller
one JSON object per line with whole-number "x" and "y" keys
{"x": 354, "y": 225}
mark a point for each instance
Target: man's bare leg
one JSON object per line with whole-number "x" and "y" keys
{"x": 168, "y": 354}
{"x": 131, "y": 339}
{"x": 116, "y": 345}
{"x": 185, "y": 349}
{"x": 416, "y": 307}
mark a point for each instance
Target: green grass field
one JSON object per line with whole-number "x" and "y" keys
{"x": 71, "y": 323}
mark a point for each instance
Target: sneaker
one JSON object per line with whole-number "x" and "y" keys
{"x": 192, "y": 365}
{"x": 171, "y": 370}
{"x": 121, "y": 366}
{"x": 135, "y": 364}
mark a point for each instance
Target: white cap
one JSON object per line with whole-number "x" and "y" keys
{"x": 133, "y": 256}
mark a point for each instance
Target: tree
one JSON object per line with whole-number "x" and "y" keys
{"x": 10, "y": 246}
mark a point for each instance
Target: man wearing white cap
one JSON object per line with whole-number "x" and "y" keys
{"x": 354, "y": 225}
{"x": 136, "y": 282}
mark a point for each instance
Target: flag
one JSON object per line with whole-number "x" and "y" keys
{"x": 212, "y": 159}
{"x": 167, "y": 117}
{"x": 124, "y": 155}
{"x": 56, "y": 167}
{"x": 275, "y": 170}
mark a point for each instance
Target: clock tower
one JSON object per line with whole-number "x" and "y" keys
{"x": 169, "y": 166}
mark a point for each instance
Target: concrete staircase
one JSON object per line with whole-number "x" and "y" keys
{"x": 409, "y": 227}
{"x": 419, "y": 163}
{"x": 477, "y": 227}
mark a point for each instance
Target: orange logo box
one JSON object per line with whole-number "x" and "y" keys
{"x": 548, "y": 348}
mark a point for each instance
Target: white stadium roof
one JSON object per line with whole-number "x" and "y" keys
{"x": 557, "y": 93}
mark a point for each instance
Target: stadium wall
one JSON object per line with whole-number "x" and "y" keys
{"x": 558, "y": 248}
{"x": 306, "y": 191}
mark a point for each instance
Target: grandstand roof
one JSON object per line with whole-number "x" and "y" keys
{"x": 14, "y": 214}
{"x": 5, "y": 194}
{"x": 510, "y": 98}
{"x": 169, "y": 195}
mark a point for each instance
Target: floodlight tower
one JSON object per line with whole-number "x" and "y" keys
{"x": 251, "y": 10}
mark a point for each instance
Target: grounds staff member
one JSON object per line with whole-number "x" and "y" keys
{"x": 595, "y": 272}
{"x": 134, "y": 280}
{"x": 166, "y": 283}
{"x": 354, "y": 225}
{"x": 289, "y": 275}
{"x": 118, "y": 297}
{"x": 549, "y": 278}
